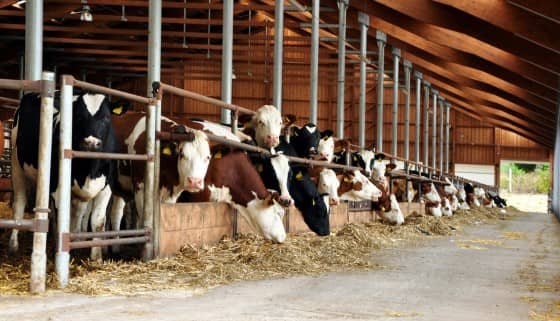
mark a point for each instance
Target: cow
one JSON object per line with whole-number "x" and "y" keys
{"x": 355, "y": 186}
{"x": 500, "y": 202}
{"x": 184, "y": 163}
{"x": 445, "y": 202}
{"x": 327, "y": 185}
{"x": 399, "y": 189}
{"x": 265, "y": 127}
{"x": 480, "y": 195}
{"x": 470, "y": 198}
{"x": 394, "y": 215}
{"x": 462, "y": 198}
{"x": 92, "y": 179}
{"x": 325, "y": 149}
{"x": 232, "y": 178}
{"x": 431, "y": 199}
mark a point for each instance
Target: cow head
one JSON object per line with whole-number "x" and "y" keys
{"x": 305, "y": 140}
{"x": 325, "y": 148}
{"x": 267, "y": 123}
{"x": 356, "y": 187}
{"x": 450, "y": 188}
{"x": 328, "y": 185}
{"x": 281, "y": 167}
{"x": 91, "y": 125}
{"x": 193, "y": 157}
{"x": 266, "y": 216}
{"x": 369, "y": 159}
{"x": 395, "y": 215}
{"x": 446, "y": 207}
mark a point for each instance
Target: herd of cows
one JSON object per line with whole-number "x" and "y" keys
{"x": 195, "y": 169}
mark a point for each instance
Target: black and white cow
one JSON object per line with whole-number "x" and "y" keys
{"x": 91, "y": 179}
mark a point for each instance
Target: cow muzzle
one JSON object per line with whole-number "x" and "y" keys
{"x": 272, "y": 140}
{"x": 194, "y": 184}
{"x": 91, "y": 144}
{"x": 334, "y": 201}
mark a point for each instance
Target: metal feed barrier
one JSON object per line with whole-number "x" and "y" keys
{"x": 68, "y": 241}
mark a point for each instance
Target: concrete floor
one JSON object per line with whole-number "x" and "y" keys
{"x": 440, "y": 280}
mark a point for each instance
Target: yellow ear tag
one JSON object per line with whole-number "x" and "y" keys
{"x": 313, "y": 202}
{"x": 347, "y": 180}
{"x": 299, "y": 176}
{"x": 259, "y": 168}
{"x": 118, "y": 110}
{"x": 166, "y": 151}
{"x": 382, "y": 208}
{"x": 218, "y": 155}
{"x": 354, "y": 158}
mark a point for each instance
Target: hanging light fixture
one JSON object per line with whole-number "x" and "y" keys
{"x": 85, "y": 14}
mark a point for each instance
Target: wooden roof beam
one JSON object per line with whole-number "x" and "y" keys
{"x": 539, "y": 30}
{"x": 546, "y": 9}
{"x": 475, "y": 32}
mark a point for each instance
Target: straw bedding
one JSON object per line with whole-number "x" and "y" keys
{"x": 248, "y": 258}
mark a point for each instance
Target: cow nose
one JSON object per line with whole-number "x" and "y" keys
{"x": 195, "y": 182}
{"x": 273, "y": 139}
{"x": 91, "y": 144}
{"x": 323, "y": 155}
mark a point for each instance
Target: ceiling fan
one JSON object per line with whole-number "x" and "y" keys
{"x": 84, "y": 12}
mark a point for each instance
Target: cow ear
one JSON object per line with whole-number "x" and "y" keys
{"x": 325, "y": 134}
{"x": 169, "y": 149}
{"x": 289, "y": 119}
{"x": 120, "y": 107}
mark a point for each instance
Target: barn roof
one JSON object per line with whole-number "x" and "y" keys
{"x": 497, "y": 61}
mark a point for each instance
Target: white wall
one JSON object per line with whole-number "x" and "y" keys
{"x": 479, "y": 173}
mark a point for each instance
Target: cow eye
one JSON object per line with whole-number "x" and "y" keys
{"x": 261, "y": 123}
{"x": 207, "y": 158}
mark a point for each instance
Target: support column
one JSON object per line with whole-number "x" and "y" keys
{"x": 447, "y": 127}
{"x": 441, "y": 137}
{"x": 407, "y": 70}
{"x": 33, "y": 39}
{"x": 395, "y": 126}
{"x": 363, "y": 20}
{"x": 417, "y": 120}
{"x": 227, "y": 58}
{"x": 278, "y": 54}
{"x": 342, "y": 8}
{"x": 556, "y": 163}
{"x": 435, "y": 93}
{"x": 426, "y": 122}
{"x": 314, "y": 61}
{"x": 381, "y": 38}
{"x": 154, "y": 44}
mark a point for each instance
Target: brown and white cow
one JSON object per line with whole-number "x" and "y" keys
{"x": 356, "y": 186}
{"x": 431, "y": 199}
{"x": 183, "y": 163}
{"x": 445, "y": 201}
{"x": 232, "y": 178}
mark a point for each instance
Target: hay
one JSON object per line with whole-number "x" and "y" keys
{"x": 514, "y": 235}
{"x": 396, "y": 314}
{"x": 248, "y": 258}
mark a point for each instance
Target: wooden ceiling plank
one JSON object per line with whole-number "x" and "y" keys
{"x": 6, "y": 3}
{"x": 469, "y": 32}
{"x": 547, "y": 9}
{"x": 503, "y": 15}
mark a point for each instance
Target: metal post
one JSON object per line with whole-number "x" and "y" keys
{"x": 395, "y": 126}
{"x": 278, "y": 54}
{"x": 39, "y": 257}
{"x": 227, "y": 58}
{"x": 363, "y": 20}
{"x": 149, "y": 179}
{"x": 407, "y": 70}
{"x": 62, "y": 259}
{"x": 21, "y": 72}
{"x": 314, "y": 61}
{"x": 33, "y": 39}
{"x": 447, "y": 127}
{"x": 154, "y": 43}
{"x": 157, "y": 197}
{"x": 556, "y": 163}
{"x": 441, "y": 137}
{"x": 342, "y": 8}
{"x": 435, "y": 93}
{"x": 381, "y": 38}
{"x": 417, "y": 120}
{"x": 426, "y": 122}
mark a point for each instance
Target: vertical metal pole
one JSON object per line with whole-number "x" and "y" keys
{"x": 435, "y": 93}
{"x": 342, "y": 8}
{"x": 278, "y": 54}
{"x": 441, "y": 137}
{"x": 21, "y": 72}
{"x": 62, "y": 258}
{"x": 426, "y": 122}
{"x": 381, "y": 38}
{"x": 314, "y": 61}
{"x": 157, "y": 169}
{"x": 149, "y": 179}
{"x": 154, "y": 43}
{"x": 417, "y": 120}
{"x": 227, "y": 58}
{"x": 33, "y": 39}
{"x": 556, "y": 163}
{"x": 363, "y": 20}
{"x": 407, "y": 70}
{"x": 395, "y": 126}
{"x": 447, "y": 127}
{"x": 39, "y": 257}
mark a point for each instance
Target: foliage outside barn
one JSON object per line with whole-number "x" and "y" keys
{"x": 525, "y": 178}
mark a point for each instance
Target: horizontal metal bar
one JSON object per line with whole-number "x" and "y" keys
{"x": 335, "y": 39}
{"x": 68, "y": 153}
{"x": 95, "y": 243}
{"x": 321, "y": 25}
{"x": 10, "y": 100}
{"x": 222, "y": 140}
{"x": 123, "y": 233}
{"x": 15, "y": 84}
{"x": 306, "y": 8}
{"x": 113, "y": 92}
{"x": 33, "y": 225}
{"x": 369, "y": 52}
